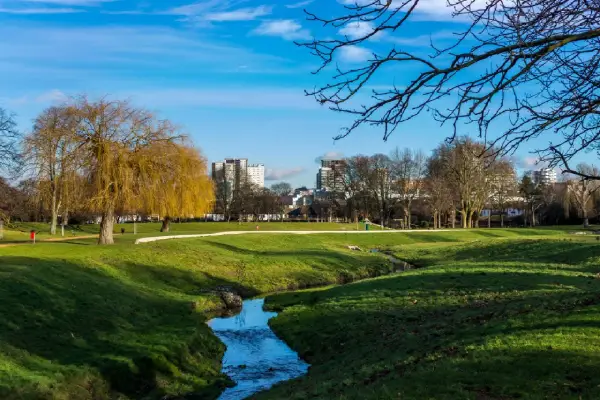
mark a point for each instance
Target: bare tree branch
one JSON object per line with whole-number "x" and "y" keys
{"x": 515, "y": 71}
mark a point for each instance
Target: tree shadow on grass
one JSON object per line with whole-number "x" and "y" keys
{"x": 548, "y": 252}
{"x": 134, "y": 337}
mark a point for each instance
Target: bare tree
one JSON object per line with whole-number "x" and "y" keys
{"x": 223, "y": 194}
{"x": 582, "y": 191}
{"x": 356, "y": 180}
{"x": 281, "y": 188}
{"x": 503, "y": 190}
{"x": 380, "y": 185}
{"x": 533, "y": 197}
{"x": 533, "y": 63}
{"x": 408, "y": 169}
{"x": 9, "y": 137}
{"x": 53, "y": 153}
{"x": 439, "y": 194}
{"x": 464, "y": 170}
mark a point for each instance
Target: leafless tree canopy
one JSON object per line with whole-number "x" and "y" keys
{"x": 514, "y": 70}
{"x": 8, "y": 139}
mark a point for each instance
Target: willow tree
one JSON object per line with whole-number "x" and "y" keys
{"x": 115, "y": 137}
{"x": 174, "y": 182}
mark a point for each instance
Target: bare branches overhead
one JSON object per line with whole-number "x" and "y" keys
{"x": 513, "y": 71}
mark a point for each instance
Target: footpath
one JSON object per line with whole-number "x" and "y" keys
{"x": 227, "y": 233}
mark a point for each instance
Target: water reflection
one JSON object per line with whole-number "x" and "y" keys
{"x": 255, "y": 359}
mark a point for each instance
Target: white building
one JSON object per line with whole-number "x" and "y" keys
{"x": 256, "y": 174}
{"x": 331, "y": 175}
{"x": 544, "y": 176}
{"x": 236, "y": 171}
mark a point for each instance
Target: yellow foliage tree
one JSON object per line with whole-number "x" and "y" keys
{"x": 175, "y": 183}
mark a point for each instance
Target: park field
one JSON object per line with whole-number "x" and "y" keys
{"x": 81, "y": 321}
{"x": 495, "y": 319}
{"x": 20, "y": 232}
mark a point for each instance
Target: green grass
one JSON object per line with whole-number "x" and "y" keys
{"x": 80, "y": 321}
{"x": 20, "y": 232}
{"x": 499, "y": 319}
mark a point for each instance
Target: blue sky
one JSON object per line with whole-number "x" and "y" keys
{"x": 226, "y": 71}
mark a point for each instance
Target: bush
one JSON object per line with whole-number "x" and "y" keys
{"x": 425, "y": 224}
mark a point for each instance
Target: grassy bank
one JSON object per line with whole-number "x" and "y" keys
{"x": 81, "y": 321}
{"x": 485, "y": 320}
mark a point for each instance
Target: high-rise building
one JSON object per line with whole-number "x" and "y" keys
{"x": 256, "y": 175}
{"x": 236, "y": 171}
{"x": 232, "y": 171}
{"x": 331, "y": 175}
{"x": 543, "y": 176}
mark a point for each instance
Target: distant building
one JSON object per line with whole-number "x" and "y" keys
{"x": 256, "y": 175}
{"x": 331, "y": 175}
{"x": 543, "y": 176}
{"x": 236, "y": 171}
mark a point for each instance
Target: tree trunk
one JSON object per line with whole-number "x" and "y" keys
{"x": 65, "y": 221}
{"x": 490, "y": 219}
{"x": 453, "y": 218}
{"x": 54, "y": 220}
{"x": 106, "y": 226}
{"x": 586, "y": 221}
{"x": 469, "y": 220}
{"x": 435, "y": 220}
{"x": 502, "y": 219}
{"x": 166, "y": 224}
{"x": 463, "y": 219}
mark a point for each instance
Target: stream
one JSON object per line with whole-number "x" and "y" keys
{"x": 255, "y": 358}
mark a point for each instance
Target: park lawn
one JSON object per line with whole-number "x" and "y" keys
{"x": 19, "y": 232}
{"x": 500, "y": 319}
{"x": 80, "y": 321}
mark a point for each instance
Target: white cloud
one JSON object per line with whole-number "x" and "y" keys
{"x": 52, "y": 96}
{"x": 286, "y": 28}
{"x": 424, "y": 40}
{"x": 275, "y": 174}
{"x": 40, "y": 10}
{"x": 426, "y": 10}
{"x": 354, "y": 54}
{"x": 219, "y": 11}
{"x": 83, "y": 3}
{"x": 251, "y": 98}
{"x": 300, "y": 4}
{"x": 32, "y": 7}
{"x": 330, "y": 155}
{"x": 357, "y": 29}
{"x": 86, "y": 54}
{"x": 242, "y": 14}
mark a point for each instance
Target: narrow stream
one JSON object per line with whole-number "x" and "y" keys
{"x": 255, "y": 358}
